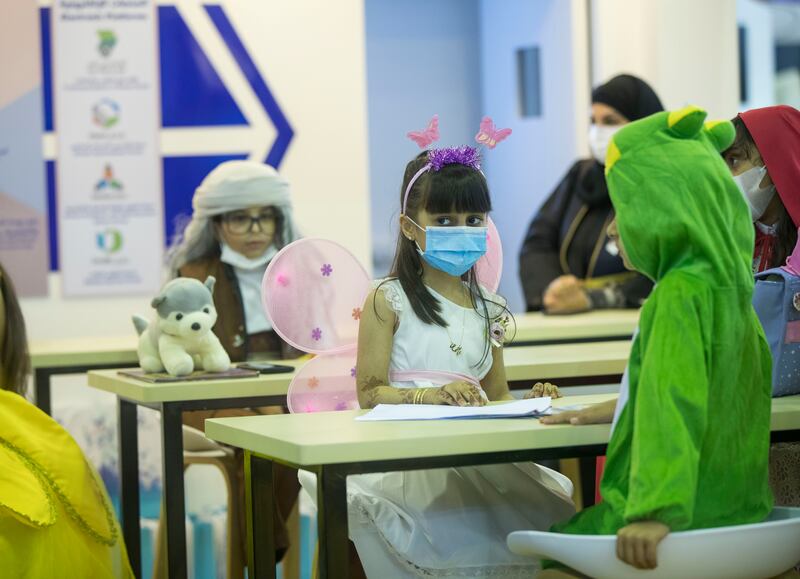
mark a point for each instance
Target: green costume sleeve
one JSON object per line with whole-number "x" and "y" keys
{"x": 670, "y": 406}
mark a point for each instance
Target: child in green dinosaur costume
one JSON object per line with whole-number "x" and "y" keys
{"x": 690, "y": 440}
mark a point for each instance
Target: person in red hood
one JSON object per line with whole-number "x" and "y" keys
{"x": 765, "y": 163}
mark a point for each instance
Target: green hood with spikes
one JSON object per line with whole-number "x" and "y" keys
{"x": 655, "y": 169}
{"x": 691, "y": 442}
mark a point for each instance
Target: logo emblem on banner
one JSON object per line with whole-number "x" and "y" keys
{"x": 108, "y": 40}
{"x": 109, "y": 241}
{"x": 105, "y": 113}
{"x": 108, "y": 181}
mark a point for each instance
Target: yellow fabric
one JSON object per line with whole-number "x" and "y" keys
{"x": 55, "y": 517}
{"x": 22, "y": 493}
{"x": 612, "y": 156}
{"x": 603, "y": 281}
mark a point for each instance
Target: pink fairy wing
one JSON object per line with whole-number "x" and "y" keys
{"x": 326, "y": 383}
{"x": 489, "y": 268}
{"x": 313, "y": 291}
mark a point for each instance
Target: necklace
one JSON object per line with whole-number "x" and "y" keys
{"x": 457, "y": 348}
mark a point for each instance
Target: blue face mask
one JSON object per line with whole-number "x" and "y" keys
{"x": 453, "y": 250}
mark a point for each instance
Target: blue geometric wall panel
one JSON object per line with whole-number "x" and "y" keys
{"x": 192, "y": 93}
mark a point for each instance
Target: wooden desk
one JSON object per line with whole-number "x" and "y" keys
{"x": 53, "y": 357}
{"x": 334, "y": 445}
{"x": 599, "y": 326}
{"x": 579, "y": 363}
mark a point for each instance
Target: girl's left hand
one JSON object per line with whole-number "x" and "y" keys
{"x": 541, "y": 390}
{"x": 637, "y": 544}
{"x": 463, "y": 394}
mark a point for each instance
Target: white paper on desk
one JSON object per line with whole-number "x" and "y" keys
{"x": 521, "y": 408}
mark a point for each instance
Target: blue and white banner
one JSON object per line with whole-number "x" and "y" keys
{"x": 110, "y": 204}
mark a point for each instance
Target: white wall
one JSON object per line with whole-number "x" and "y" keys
{"x": 687, "y": 49}
{"x": 312, "y": 54}
{"x": 523, "y": 170}
{"x": 417, "y": 66}
{"x": 756, "y": 18}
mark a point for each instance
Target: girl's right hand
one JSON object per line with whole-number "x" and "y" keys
{"x": 459, "y": 394}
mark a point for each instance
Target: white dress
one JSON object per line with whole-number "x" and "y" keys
{"x": 451, "y": 522}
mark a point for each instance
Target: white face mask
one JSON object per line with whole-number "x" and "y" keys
{"x": 236, "y": 259}
{"x": 758, "y": 198}
{"x": 599, "y": 139}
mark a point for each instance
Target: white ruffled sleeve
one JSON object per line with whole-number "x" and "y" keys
{"x": 496, "y": 304}
{"x": 393, "y": 292}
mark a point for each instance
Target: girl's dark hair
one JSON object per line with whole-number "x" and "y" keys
{"x": 15, "y": 364}
{"x": 454, "y": 188}
{"x": 785, "y": 230}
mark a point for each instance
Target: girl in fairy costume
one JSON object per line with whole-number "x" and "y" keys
{"x": 429, "y": 333}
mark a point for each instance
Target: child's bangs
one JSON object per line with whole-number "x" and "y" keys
{"x": 743, "y": 142}
{"x": 460, "y": 190}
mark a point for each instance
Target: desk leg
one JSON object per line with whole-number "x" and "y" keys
{"x": 260, "y": 499}
{"x": 128, "y": 429}
{"x": 588, "y": 473}
{"x": 41, "y": 388}
{"x": 334, "y": 550}
{"x": 175, "y": 507}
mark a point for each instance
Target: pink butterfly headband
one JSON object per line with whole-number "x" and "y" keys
{"x": 487, "y": 136}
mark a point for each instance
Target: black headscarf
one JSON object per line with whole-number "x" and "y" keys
{"x": 630, "y": 95}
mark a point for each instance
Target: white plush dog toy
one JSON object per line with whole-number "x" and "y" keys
{"x": 181, "y": 339}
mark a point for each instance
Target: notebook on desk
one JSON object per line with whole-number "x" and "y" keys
{"x": 160, "y": 377}
{"x": 531, "y": 408}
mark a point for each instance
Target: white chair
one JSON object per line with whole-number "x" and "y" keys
{"x": 756, "y": 551}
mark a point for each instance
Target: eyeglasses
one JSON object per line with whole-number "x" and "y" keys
{"x": 244, "y": 222}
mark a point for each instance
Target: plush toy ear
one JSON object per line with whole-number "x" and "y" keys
{"x": 157, "y": 301}
{"x": 209, "y": 283}
{"x": 686, "y": 122}
{"x": 721, "y": 133}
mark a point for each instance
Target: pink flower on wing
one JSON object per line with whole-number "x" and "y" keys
{"x": 283, "y": 280}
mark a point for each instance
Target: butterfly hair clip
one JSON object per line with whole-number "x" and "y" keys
{"x": 488, "y": 135}
{"x": 428, "y": 135}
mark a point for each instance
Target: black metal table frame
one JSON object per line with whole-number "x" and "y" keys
{"x": 332, "y": 498}
{"x": 172, "y": 460}
{"x": 565, "y": 341}
{"x": 43, "y": 374}
{"x": 172, "y": 472}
